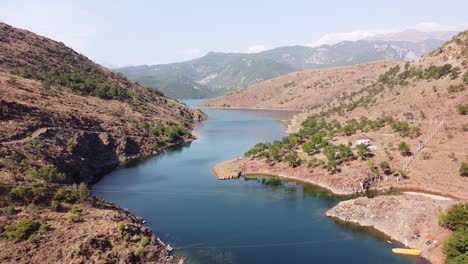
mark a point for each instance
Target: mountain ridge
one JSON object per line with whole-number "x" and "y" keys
{"x": 217, "y": 73}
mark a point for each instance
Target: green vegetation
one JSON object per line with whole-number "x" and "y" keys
{"x": 462, "y": 109}
{"x": 456, "y": 247}
{"x": 21, "y": 230}
{"x": 362, "y": 151}
{"x": 121, "y": 228}
{"x": 385, "y": 167}
{"x": 75, "y": 215}
{"x": 83, "y": 79}
{"x": 404, "y": 149}
{"x": 374, "y": 170}
{"x": 73, "y": 194}
{"x": 464, "y": 169}
{"x": 140, "y": 252}
{"x": 47, "y": 173}
{"x": 168, "y": 134}
{"x": 145, "y": 241}
{"x": 456, "y": 88}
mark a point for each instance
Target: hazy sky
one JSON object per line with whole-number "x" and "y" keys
{"x": 117, "y": 32}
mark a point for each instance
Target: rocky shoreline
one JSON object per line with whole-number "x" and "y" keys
{"x": 408, "y": 219}
{"x": 416, "y": 224}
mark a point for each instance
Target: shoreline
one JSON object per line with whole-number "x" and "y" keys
{"x": 394, "y": 204}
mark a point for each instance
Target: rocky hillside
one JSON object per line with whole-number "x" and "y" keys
{"x": 64, "y": 120}
{"x": 217, "y": 73}
{"x": 300, "y": 90}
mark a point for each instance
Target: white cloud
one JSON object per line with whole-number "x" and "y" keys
{"x": 256, "y": 49}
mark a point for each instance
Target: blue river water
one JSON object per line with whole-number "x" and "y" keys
{"x": 258, "y": 220}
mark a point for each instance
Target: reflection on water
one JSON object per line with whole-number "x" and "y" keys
{"x": 248, "y": 220}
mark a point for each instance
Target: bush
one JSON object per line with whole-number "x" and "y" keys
{"x": 362, "y": 151}
{"x": 404, "y": 149}
{"x": 140, "y": 252}
{"x": 292, "y": 159}
{"x": 55, "y": 205}
{"x": 464, "y": 169}
{"x": 385, "y": 167}
{"x": 457, "y": 244}
{"x": 462, "y": 109}
{"x": 121, "y": 228}
{"x": 456, "y": 247}
{"x": 21, "y": 230}
{"x": 73, "y": 194}
{"x": 145, "y": 241}
{"x": 455, "y": 217}
{"x": 47, "y": 173}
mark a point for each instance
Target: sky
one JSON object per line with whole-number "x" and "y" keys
{"x": 124, "y": 32}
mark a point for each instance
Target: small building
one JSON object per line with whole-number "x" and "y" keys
{"x": 364, "y": 141}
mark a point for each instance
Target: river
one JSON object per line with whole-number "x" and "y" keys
{"x": 238, "y": 221}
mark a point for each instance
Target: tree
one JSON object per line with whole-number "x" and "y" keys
{"x": 404, "y": 149}
{"x": 362, "y": 151}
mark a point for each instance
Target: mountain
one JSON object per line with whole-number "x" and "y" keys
{"x": 217, "y": 73}
{"x": 65, "y": 120}
{"x": 213, "y": 74}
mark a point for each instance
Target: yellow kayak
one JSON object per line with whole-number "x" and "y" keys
{"x": 407, "y": 251}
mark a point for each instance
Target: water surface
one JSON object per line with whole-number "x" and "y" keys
{"x": 238, "y": 221}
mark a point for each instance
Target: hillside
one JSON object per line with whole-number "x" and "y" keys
{"x": 217, "y": 73}
{"x": 299, "y": 90}
{"x": 64, "y": 120}
{"x": 415, "y": 116}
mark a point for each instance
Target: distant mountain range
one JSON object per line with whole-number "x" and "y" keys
{"x": 217, "y": 73}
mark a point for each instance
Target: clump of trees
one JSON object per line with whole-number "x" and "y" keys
{"x": 47, "y": 173}
{"x": 456, "y": 247}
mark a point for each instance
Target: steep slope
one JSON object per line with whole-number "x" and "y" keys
{"x": 218, "y": 73}
{"x": 63, "y": 120}
{"x": 300, "y": 90}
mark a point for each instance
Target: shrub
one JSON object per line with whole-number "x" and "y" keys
{"x": 404, "y": 149}
{"x": 456, "y": 247}
{"x": 455, "y": 217}
{"x": 464, "y": 169}
{"x": 385, "y": 167}
{"x": 21, "y": 230}
{"x": 457, "y": 244}
{"x": 362, "y": 151}
{"x": 140, "y": 252}
{"x": 47, "y": 173}
{"x": 456, "y": 88}
{"x": 292, "y": 159}
{"x": 55, "y": 205}
{"x": 73, "y": 194}
{"x": 462, "y": 109}
{"x": 373, "y": 168}
{"x": 145, "y": 241}
{"x": 121, "y": 228}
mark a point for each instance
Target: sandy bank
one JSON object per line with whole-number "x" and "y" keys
{"x": 408, "y": 218}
